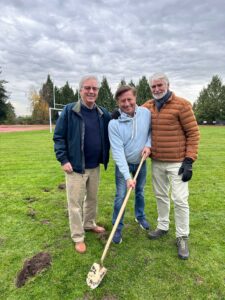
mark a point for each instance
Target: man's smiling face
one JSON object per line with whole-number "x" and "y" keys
{"x": 89, "y": 92}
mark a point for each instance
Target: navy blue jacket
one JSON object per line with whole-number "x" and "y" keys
{"x": 69, "y": 136}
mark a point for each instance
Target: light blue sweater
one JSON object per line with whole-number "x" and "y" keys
{"x": 128, "y": 136}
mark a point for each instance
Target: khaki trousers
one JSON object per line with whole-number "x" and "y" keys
{"x": 165, "y": 177}
{"x": 82, "y": 192}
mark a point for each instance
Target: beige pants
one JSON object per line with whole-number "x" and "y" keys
{"x": 82, "y": 192}
{"x": 165, "y": 177}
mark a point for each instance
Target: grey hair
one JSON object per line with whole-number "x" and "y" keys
{"x": 85, "y": 78}
{"x": 157, "y": 76}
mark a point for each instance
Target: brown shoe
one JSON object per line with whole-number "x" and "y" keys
{"x": 97, "y": 229}
{"x": 80, "y": 247}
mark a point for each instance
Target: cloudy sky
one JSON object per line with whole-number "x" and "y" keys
{"x": 113, "y": 38}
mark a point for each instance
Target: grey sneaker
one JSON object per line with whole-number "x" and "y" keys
{"x": 157, "y": 233}
{"x": 182, "y": 244}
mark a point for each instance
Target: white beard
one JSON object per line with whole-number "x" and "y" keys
{"x": 159, "y": 96}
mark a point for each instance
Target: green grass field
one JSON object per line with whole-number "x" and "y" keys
{"x": 33, "y": 218}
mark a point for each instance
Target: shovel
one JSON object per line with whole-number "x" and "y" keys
{"x": 98, "y": 271}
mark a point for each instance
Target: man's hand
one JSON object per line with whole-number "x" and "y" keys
{"x": 146, "y": 152}
{"x": 131, "y": 183}
{"x": 67, "y": 168}
{"x": 186, "y": 169}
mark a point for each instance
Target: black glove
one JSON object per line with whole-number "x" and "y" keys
{"x": 186, "y": 169}
{"x": 115, "y": 114}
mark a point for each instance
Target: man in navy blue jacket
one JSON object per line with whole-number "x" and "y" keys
{"x": 81, "y": 144}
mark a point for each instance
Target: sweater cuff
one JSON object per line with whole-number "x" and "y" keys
{"x": 64, "y": 161}
{"x": 127, "y": 176}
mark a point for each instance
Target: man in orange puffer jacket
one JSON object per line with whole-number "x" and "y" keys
{"x": 175, "y": 139}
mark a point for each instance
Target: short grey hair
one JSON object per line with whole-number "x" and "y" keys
{"x": 85, "y": 78}
{"x": 157, "y": 76}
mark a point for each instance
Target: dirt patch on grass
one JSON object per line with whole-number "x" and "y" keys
{"x": 62, "y": 186}
{"x": 33, "y": 266}
{"x": 30, "y": 199}
{"x": 199, "y": 280}
{"x": 109, "y": 297}
{"x": 85, "y": 297}
{"x": 31, "y": 212}
{"x": 45, "y": 222}
{"x": 103, "y": 237}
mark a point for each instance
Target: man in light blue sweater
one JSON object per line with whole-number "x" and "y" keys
{"x": 129, "y": 136}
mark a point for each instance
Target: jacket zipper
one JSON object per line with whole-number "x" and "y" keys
{"x": 82, "y": 142}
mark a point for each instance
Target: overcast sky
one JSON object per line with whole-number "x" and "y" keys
{"x": 113, "y": 38}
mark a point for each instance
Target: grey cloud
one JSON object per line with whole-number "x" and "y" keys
{"x": 116, "y": 39}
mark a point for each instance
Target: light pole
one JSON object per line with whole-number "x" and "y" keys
{"x": 53, "y": 95}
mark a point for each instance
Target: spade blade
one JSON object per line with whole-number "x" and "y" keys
{"x": 95, "y": 275}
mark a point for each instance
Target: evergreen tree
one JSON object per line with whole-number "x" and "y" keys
{"x": 131, "y": 83}
{"x": 48, "y": 95}
{"x": 46, "y": 92}
{"x": 210, "y": 105}
{"x": 76, "y": 95}
{"x": 10, "y": 116}
{"x": 122, "y": 82}
{"x": 3, "y": 99}
{"x": 66, "y": 94}
{"x": 7, "y": 113}
{"x": 58, "y": 99}
{"x": 143, "y": 91}
{"x": 105, "y": 96}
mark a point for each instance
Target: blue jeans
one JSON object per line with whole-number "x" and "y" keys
{"x": 121, "y": 189}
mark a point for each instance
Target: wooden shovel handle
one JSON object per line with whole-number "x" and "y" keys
{"x": 120, "y": 214}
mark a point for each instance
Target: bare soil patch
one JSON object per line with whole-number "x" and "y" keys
{"x": 33, "y": 266}
{"x": 31, "y": 213}
{"x": 30, "y": 199}
{"x": 62, "y": 186}
{"x": 103, "y": 237}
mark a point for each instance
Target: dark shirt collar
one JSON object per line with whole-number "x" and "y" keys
{"x": 85, "y": 105}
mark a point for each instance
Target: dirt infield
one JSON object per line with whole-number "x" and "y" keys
{"x": 14, "y": 128}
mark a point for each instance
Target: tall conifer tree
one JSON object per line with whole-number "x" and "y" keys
{"x": 143, "y": 91}
{"x": 105, "y": 96}
{"x": 210, "y": 105}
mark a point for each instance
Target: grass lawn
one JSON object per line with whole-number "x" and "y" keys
{"x": 33, "y": 216}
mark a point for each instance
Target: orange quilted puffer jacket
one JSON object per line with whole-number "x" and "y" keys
{"x": 175, "y": 132}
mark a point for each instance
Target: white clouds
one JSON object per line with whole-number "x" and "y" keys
{"x": 116, "y": 39}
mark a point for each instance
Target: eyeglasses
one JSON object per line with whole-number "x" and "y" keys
{"x": 88, "y": 88}
{"x": 157, "y": 85}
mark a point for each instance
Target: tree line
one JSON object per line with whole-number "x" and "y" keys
{"x": 209, "y": 106}
{"x": 50, "y": 95}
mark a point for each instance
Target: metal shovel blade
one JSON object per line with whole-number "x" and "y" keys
{"x": 95, "y": 275}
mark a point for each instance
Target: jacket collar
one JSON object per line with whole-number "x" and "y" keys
{"x": 77, "y": 108}
{"x": 171, "y": 97}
